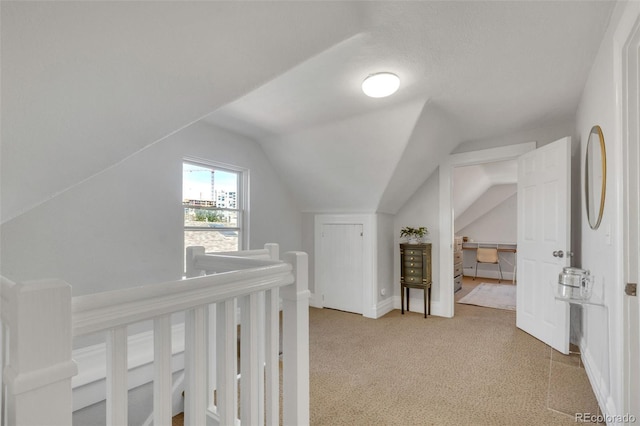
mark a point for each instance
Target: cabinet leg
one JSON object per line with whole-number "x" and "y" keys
{"x": 424, "y": 294}
{"x": 407, "y": 299}
{"x": 402, "y": 299}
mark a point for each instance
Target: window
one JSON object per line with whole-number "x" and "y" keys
{"x": 213, "y": 203}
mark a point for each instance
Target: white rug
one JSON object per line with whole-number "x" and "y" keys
{"x": 499, "y": 296}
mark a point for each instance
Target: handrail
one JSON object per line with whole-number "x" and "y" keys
{"x": 43, "y": 314}
{"x": 225, "y": 263}
{"x": 103, "y": 311}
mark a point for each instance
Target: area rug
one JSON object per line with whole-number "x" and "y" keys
{"x": 499, "y": 296}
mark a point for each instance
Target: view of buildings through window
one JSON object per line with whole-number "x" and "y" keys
{"x": 212, "y": 207}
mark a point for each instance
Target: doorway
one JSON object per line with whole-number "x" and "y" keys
{"x": 507, "y": 153}
{"x": 484, "y": 204}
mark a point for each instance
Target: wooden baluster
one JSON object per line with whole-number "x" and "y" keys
{"x": 272, "y": 364}
{"x": 227, "y": 362}
{"x": 249, "y": 360}
{"x": 195, "y": 364}
{"x": 117, "y": 386}
{"x": 260, "y": 330}
{"x": 162, "y": 382}
{"x": 211, "y": 358}
{"x": 295, "y": 353}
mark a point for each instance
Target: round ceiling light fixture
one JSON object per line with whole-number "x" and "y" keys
{"x": 380, "y": 85}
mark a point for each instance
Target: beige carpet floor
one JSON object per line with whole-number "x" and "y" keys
{"x": 474, "y": 369}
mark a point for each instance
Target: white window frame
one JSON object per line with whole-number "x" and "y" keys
{"x": 242, "y": 199}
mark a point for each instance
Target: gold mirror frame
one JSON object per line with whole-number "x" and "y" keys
{"x": 595, "y": 174}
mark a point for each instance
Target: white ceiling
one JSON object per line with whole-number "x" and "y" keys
{"x": 485, "y": 68}
{"x": 86, "y": 84}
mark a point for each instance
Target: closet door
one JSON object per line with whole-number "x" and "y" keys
{"x": 341, "y": 267}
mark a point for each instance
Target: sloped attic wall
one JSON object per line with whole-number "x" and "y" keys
{"x": 90, "y": 90}
{"x": 86, "y": 84}
{"x": 124, "y": 227}
{"x": 497, "y": 225}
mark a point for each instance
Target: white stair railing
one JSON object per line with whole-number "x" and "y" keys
{"x": 41, "y": 317}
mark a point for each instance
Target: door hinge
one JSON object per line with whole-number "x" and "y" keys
{"x": 631, "y": 289}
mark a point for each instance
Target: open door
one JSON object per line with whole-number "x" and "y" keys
{"x": 629, "y": 59}
{"x": 544, "y": 238}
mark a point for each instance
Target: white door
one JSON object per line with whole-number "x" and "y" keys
{"x": 341, "y": 266}
{"x": 630, "y": 58}
{"x": 544, "y": 212}
{"x": 632, "y": 303}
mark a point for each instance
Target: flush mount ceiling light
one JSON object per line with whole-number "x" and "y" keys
{"x": 380, "y": 85}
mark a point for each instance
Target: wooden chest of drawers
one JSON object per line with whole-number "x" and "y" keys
{"x": 415, "y": 272}
{"x": 457, "y": 264}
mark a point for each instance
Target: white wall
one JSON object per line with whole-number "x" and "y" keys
{"x": 601, "y": 343}
{"x": 500, "y": 224}
{"x": 486, "y": 202}
{"x": 422, "y": 209}
{"x": 385, "y": 255}
{"x": 123, "y": 227}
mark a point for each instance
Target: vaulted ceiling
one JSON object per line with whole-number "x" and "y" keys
{"x": 86, "y": 84}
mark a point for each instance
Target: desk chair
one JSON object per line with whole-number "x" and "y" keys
{"x": 488, "y": 255}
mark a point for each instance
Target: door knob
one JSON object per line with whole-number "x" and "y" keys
{"x": 558, "y": 253}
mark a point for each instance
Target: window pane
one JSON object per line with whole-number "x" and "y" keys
{"x": 210, "y": 218}
{"x": 213, "y": 214}
{"x": 223, "y": 240}
{"x": 205, "y": 186}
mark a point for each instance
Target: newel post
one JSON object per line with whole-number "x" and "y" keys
{"x": 38, "y": 374}
{"x": 295, "y": 342}
{"x": 190, "y": 260}
{"x": 274, "y": 250}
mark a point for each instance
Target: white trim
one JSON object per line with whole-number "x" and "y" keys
{"x": 89, "y": 384}
{"x": 623, "y": 36}
{"x": 445, "y": 307}
{"x": 243, "y": 192}
{"x": 315, "y": 301}
{"x": 383, "y": 307}
{"x": 368, "y": 222}
{"x": 416, "y": 302}
{"x": 598, "y": 382}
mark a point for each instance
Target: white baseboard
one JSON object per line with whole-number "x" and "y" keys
{"x": 315, "y": 301}
{"x": 598, "y": 382}
{"x": 383, "y": 307}
{"x": 417, "y": 305}
{"x": 506, "y": 276}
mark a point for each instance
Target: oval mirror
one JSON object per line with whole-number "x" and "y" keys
{"x": 595, "y": 177}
